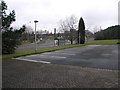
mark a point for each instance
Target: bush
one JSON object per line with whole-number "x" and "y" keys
{"x": 10, "y": 40}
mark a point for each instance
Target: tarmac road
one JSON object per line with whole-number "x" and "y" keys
{"x": 41, "y": 44}
{"x": 45, "y": 43}
{"x": 94, "y": 56}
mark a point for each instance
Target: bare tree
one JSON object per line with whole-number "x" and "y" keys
{"x": 28, "y": 29}
{"x": 68, "y": 27}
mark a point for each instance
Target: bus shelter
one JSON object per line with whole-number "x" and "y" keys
{"x": 59, "y": 41}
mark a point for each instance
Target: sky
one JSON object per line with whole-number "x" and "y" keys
{"x": 96, "y": 13}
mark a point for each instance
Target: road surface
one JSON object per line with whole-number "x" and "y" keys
{"x": 46, "y": 43}
{"x": 95, "y": 56}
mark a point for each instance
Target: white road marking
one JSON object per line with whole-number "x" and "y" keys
{"x": 58, "y": 53}
{"x": 94, "y": 45}
{"x": 31, "y": 55}
{"x": 42, "y": 55}
{"x": 58, "y": 57}
{"x": 53, "y": 56}
{"x": 67, "y": 53}
{"x": 46, "y": 53}
{"x": 32, "y": 60}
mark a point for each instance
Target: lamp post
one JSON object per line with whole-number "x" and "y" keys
{"x": 54, "y": 36}
{"x": 35, "y": 36}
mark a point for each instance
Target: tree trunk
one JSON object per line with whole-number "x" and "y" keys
{"x": 78, "y": 38}
{"x": 71, "y": 41}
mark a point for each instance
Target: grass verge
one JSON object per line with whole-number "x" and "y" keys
{"x": 102, "y": 42}
{"x": 46, "y": 49}
{"x": 21, "y": 52}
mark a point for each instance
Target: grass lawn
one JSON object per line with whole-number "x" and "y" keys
{"x": 102, "y": 42}
{"x": 40, "y": 50}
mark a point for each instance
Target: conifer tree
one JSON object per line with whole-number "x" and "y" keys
{"x": 81, "y": 31}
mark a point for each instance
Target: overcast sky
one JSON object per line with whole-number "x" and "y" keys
{"x": 95, "y": 13}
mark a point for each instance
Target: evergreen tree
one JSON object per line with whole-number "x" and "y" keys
{"x": 10, "y": 37}
{"x": 81, "y": 31}
{"x": 78, "y": 38}
{"x": 7, "y": 20}
{"x": 111, "y": 32}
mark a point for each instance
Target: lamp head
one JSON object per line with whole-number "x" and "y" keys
{"x": 35, "y": 21}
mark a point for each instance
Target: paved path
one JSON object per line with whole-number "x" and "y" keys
{"x": 95, "y": 56}
{"x": 23, "y": 74}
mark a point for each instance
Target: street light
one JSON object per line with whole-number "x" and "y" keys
{"x": 35, "y": 36}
